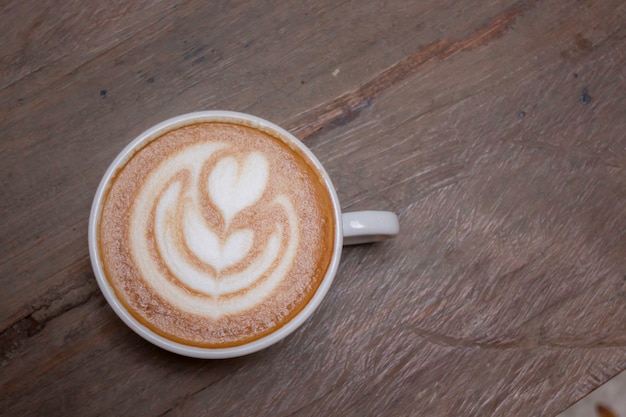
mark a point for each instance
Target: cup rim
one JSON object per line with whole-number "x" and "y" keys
{"x": 196, "y": 351}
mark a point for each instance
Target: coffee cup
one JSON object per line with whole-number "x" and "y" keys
{"x": 216, "y": 234}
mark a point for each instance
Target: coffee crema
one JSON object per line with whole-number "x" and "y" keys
{"x": 216, "y": 234}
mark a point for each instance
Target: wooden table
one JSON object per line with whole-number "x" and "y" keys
{"x": 496, "y": 130}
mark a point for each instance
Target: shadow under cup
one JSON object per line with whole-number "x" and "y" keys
{"x": 223, "y": 174}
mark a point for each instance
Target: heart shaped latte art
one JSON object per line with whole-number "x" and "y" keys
{"x": 234, "y": 187}
{"x": 206, "y": 245}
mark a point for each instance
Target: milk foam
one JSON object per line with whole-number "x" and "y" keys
{"x": 217, "y": 262}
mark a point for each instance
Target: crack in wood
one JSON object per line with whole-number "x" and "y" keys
{"x": 166, "y": 412}
{"x": 52, "y": 304}
{"x": 347, "y": 107}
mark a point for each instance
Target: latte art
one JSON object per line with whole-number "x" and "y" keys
{"x": 214, "y": 262}
{"x": 215, "y": 234}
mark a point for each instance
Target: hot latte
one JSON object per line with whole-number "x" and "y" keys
{"x": 216, "y": 234}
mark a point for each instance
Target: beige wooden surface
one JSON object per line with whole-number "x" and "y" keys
{"x": 496, "y": 130}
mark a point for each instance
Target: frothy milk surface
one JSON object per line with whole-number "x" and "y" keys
{"x": 216, "y": 234}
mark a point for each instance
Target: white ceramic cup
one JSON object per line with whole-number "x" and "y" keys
{"x": 351, "y": 228}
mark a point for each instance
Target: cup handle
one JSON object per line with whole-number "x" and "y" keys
{"x": 369, "y": 226}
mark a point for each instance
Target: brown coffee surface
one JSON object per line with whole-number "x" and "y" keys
{"x": 216, "y": 234}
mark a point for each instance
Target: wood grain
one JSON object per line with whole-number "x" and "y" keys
{"x": 496, "y": 131}
{"x": 198, "y": 75}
